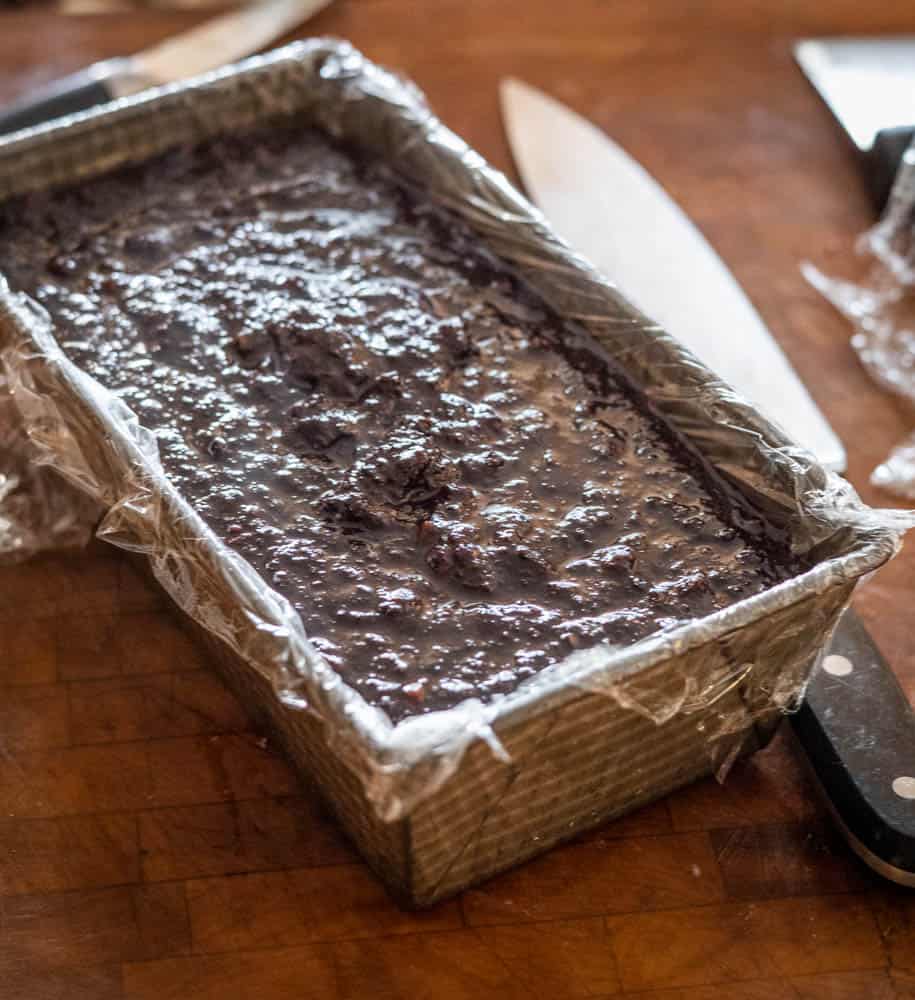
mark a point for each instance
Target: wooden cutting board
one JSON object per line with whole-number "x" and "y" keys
{"x": 152, "y": 846}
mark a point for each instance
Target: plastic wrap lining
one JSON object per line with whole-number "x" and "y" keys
{"x": 37, "y": 509}
{"x": 725, "y": 672}
{"x": 882, "y": 313}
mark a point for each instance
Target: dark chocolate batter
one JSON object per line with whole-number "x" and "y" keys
{"x": 372, "y": 412}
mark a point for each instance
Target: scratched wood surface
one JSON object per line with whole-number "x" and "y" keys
{"x": 152, "y": 846}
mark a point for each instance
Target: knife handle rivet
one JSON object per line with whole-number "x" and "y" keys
{"x": 838, "y": 666}
{"x": 904, "y": 787}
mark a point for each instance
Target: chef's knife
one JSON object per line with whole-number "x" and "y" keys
{"x": 869, "y": 85}
{"x": 856, "y": 725}
{"x": 212, "y": 44}
{"x": 609, "y": 207}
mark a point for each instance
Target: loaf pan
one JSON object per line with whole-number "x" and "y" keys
{"x": 444, "y": 800}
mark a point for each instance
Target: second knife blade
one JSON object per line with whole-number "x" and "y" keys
{"x": 609, "y": 208}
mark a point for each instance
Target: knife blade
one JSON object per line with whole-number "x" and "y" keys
{"x": 609, "y": 208}
{"x": 869, "y": 85}
{"x": 856, "y": 725}
{"x": 206, "y": 47}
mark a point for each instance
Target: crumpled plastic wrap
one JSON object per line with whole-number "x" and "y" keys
{"x": 37, "y": 508}
{"x": 720, "y": 677}
{"x": 882, "y": 311}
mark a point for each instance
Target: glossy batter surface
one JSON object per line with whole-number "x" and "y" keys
{"x": 374, "y": 414}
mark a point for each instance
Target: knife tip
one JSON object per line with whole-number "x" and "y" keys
{"x": 511, "y": 85}
{"x": 506, "y": 85}
{"x": 513, "y": 92}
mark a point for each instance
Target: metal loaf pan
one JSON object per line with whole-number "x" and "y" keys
{"x": 442, "y": 801}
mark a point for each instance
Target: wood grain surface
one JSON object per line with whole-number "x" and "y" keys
{"x": 152, "y": 846}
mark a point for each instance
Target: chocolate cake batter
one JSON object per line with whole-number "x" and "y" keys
{"x": 369, "y": 409}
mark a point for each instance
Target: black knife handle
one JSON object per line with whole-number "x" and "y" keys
{"x": 883, "y": 159}
{"x": 77, "y": 92}
{"x": 858, "y": 731}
